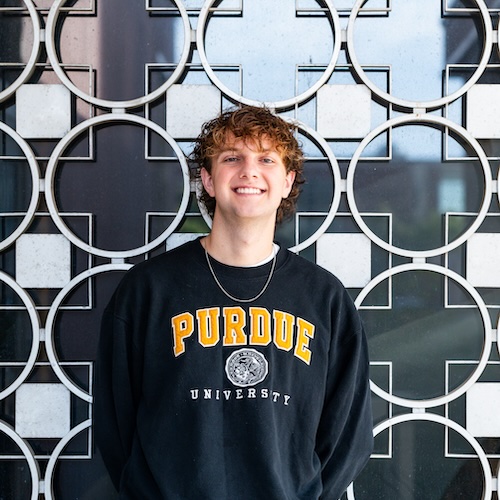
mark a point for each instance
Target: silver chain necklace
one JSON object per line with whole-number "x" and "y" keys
{"x": 273, "y": 265}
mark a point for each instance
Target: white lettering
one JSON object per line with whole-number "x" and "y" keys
{"x": 241, "y": 394}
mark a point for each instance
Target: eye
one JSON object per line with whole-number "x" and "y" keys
{"x": 267, "y": 160}
{"x": 231, "y": 159}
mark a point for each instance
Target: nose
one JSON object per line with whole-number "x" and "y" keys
{"x": 249, "y": 168}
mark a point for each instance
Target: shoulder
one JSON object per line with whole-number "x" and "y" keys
{"x": 160, "y": 270}
{"x": 180, "y": 256}
{"x": 318, "y": 287}
{"x": 310, "y": 271}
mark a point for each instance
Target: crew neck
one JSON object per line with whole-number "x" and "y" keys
{"x": 274, "y": 252}
{"x": 269, "y": 258}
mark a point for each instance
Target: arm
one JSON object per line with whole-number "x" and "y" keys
{"x": 117, "y": 388}
{"x": 345, "y": 434}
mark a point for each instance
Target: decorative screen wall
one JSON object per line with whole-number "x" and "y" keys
{"x": 398, "y": 106}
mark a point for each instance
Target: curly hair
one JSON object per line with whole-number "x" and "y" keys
{"x": 255, "y": 124}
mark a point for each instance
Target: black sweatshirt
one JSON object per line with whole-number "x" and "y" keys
{"x": 198, "y": 396}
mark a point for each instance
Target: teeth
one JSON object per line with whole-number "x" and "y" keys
{"x": 248, "y": 190}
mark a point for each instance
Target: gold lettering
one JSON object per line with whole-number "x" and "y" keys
{"x": 260, "y": 323}
{"x": 283, "y": 330}
{"x": 305, "y": 332}
{"x": 182, "y": 326}
{"x": 208, "y": 326}
{"x": 234, "y": 324}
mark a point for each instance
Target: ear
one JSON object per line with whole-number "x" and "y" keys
{"x": 208, "y": 184}
{"x": 287, "y": 186}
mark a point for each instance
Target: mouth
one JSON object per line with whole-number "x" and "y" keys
{"x": 248, "y": 190}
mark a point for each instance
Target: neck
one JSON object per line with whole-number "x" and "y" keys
{"x": 239, "y": 246}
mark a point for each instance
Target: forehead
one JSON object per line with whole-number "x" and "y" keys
{"x": 257, "y": 144}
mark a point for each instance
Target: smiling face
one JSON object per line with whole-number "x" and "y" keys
{"x": 251, "y": 125}
{"x": 248, "y": 179}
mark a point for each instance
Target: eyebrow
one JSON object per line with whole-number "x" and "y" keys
{"x": 236, "y": 150}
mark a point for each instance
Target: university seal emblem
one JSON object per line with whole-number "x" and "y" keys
{"x": 246, "y": 367}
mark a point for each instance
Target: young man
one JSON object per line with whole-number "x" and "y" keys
{"x": 231, "y": 368}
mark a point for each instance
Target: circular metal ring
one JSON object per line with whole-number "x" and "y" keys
{"x": 35, "y": 51}
{"x": 50, "y": 323}
{"x": 337, "y": 191}
{"x": 35, "y": 188}
{"x": 461, "y": 389}
{"x": 52, "y": 166}
{"x": 49, "y": 472}
{"x": 30, "y": 457}
{"x": 286, "y": 103}
{"x": 498, "y": 330}
{"x": 35, "y": 326}
{"x": 432, "y": 417}
{"x": 421, "y": 119}
{"x": 106, "y": 103}
{"x": 435, "y": 103}
{"x": 498, "y": 186}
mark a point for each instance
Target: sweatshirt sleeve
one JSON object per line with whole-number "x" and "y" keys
{"x": 345, "y": 434}
{"x": 116, "y": 393}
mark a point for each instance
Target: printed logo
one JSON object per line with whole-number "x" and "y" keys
{"x": 246, "y": 367}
